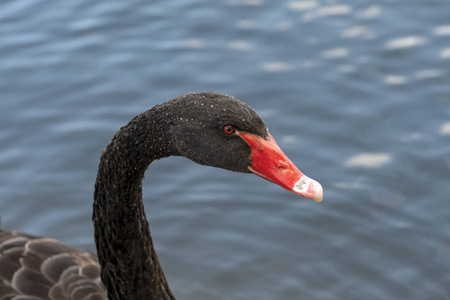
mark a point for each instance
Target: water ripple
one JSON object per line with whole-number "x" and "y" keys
{"x": 369, "y": 160}
{"x": 405, "y": 42}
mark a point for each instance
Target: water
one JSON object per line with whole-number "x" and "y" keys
{"x": 357, "y": 94}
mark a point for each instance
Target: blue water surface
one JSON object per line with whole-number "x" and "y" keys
{"x": 357, "y": 94}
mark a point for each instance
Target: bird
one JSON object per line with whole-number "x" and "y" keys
{"x": 208, "y": 128}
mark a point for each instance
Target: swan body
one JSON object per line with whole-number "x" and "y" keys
{"x": 210, "y": 129}
{"x": 34, "y": 268}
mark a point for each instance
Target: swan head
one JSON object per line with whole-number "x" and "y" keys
{"x": 220, "y": 131}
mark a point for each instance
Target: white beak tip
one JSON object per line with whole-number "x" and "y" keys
{"x": 309, "y": 188}
{"x": 319, "y": 191}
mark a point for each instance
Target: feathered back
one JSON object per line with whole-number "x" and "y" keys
{"x": 44, "y": 268}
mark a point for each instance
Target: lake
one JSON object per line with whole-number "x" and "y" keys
{"x": 356, "y": 93}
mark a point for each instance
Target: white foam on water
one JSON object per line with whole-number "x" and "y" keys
{"x": 405, "y": 42}
{"x": 334, "y": 53}
{"x": 239, "y": 45}
{"x": 245, "y": 2}
{"x": 395, "y": 80}
{"x": 369, "y": 160}
{"x": 445, "y": 54}
{"x": 353, "y": 32}
{"x": 442, "y": 30}
{"x": 327, "y": 11}
{"x": 334, "y": 10}
{"x": 288, "y": 139}
{"x": 430, "y": 73}
{"x": 276, "y": 67}
{"x": 301, "y": 5}
{"x": 445, "y": 129}
{"x": 371, "y": 12}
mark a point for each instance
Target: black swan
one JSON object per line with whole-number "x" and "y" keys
{"x": 210, "y": 129}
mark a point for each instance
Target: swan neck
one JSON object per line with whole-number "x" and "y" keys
{"x": 130, "y": 266}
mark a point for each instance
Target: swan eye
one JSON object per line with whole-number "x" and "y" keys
{"x": 228, "y": 129}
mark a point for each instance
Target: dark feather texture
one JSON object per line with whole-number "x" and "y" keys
{"x": 43, "y": 268}
{"x": 191, "y": 126}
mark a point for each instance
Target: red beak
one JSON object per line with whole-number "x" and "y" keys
{"x": 269, "y": 162}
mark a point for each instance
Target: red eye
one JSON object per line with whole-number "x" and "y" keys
{"x": 228, "y": 129}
